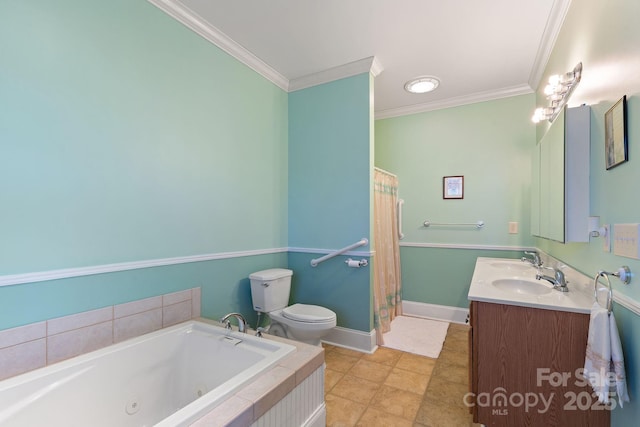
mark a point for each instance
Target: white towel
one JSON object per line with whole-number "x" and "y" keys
{"x": 604, "y": 362}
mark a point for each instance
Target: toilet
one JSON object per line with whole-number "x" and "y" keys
{"x": 270, "y": 291}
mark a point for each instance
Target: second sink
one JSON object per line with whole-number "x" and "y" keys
{"x": 521, "y": 286}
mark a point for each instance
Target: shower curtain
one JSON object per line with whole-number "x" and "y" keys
{"x": 387, "y": 294}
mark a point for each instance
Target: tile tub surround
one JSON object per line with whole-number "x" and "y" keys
{"x": 36, "y": 345}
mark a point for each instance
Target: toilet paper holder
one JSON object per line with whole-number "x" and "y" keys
{"x": 356, "y": 264}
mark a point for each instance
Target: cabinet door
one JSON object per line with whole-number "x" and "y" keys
{"x": 552, "y": 184}
{"x": 535, "y": 191}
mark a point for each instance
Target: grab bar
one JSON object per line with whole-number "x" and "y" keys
{"x": 316, "y": 261}
{"x": 478, "y": 224}
{"x": 400, "y": 233}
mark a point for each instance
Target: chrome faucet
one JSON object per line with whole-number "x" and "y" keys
{"x": 534, "y": 260}
{"x": 558, "y": 281}
{"x": 242, "y": 323}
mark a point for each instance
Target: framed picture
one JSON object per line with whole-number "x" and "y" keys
{"x": 615, "y": 134}
{"x": 453, "y": 187}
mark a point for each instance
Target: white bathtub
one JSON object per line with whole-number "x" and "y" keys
{"x": 169, "y": 377}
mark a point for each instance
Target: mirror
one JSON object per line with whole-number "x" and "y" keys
{"x": 560, "y": 179}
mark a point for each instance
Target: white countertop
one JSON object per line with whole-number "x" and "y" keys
{"x": 579, "y": 299}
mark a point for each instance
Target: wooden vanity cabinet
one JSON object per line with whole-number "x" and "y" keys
{"x": 525, "y": 368}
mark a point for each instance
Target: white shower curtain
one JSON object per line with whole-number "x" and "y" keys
{"x": 387, "y": 295}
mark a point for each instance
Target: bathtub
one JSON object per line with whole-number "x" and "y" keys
{"x": 170, "y": 377}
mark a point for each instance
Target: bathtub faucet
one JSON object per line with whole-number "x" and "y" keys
{"x": 242, "y": 323}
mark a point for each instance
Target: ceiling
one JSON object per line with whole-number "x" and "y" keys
{"x": 479, "y": 49}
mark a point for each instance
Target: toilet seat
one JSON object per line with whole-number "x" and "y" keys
{"x": 308, "y": 313}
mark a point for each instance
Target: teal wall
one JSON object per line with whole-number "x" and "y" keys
{"x": 330, "y": 194}
{"x": 489, "y": 144}
{"x": 442, "y": 276}
{"x": 605, "y": 37}
{"x": 330, "y": 160}
{"x": 124, "y": 136}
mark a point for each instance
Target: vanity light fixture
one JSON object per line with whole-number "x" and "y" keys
{"x": 558, "y": 92}
{"x": 422, "y": 84}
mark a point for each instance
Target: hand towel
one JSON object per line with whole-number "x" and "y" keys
{"x": 617, "y": 361}
{"x": 604, "y": 362}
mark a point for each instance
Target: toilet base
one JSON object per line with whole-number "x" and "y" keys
{"x": 281, "y": 330}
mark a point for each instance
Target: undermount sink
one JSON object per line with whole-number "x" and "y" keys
{"x": 520, "y": 286}
{"x": 510, "y": 265}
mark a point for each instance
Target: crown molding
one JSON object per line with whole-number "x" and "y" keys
{"x": 186, "y": 16}
{"x": 549, "y": 36}
{"x": 455, "y": 102}
{"x": 365, "y": 65}
{"x": 190, "y": 19}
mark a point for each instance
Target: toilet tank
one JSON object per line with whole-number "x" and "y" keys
{"x": 270, "y": 289}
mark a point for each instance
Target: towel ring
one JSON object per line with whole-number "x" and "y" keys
{"x": 609, "y": 295}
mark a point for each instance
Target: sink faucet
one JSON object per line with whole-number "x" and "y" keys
{"x": 242, "y": 323}
{"x": 534, "y": 260}
{"x": 558, "y": 281}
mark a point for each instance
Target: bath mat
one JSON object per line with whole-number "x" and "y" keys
{"x": 416, "y": 335}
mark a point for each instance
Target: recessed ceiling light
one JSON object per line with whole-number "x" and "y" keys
{"x": 422, "y": 84}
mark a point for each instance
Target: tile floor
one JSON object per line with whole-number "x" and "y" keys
{"x": 391, "y": 388}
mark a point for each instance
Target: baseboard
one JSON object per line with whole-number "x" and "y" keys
{"x": 352, "y": 339}
{"x": 436, "y": 312}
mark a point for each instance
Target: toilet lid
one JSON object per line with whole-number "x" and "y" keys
{"x": 308, "y": 313}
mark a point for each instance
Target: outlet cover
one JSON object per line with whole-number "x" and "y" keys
{"x": 513, "y": 228}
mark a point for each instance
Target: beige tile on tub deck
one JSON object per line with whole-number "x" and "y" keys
{"x": 235, "y": 412}
{"x": 23, "y": 334}
{"x": 269, "y": 389}
{"x": 176, "y": 313}
{"x": 17, "y": 359}
{"x": 80, "y": 320}
{"x": 79, "y": 341}
{"x": 137, "y": 324}
{"x": 136, "y": 307}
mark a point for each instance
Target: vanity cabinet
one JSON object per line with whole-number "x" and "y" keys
{"x": 525, "y": 366}
{"x": 560, "y": 178}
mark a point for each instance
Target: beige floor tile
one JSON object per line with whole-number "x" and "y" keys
{"x": 342, "y": 412}
{"x": 450, "y": 372}
{"x": 375, "y": 418}
{"x": 384, "y": 355}
{"x": 339, "y": 362}
{"x": 416, "y": 363}
{"x": 437, "y": 414}
{"x": 417, "y": 391}
{"x": 458, "y": 357}
{"x": 328, "y": 347}
{"x": 407, "y": 380}
{"x": 349, "y": 352}
{"x": 331, "y": 378}
{"x": 457, "y": 327}
{"x": 400, "y": 403}
{"x": 371, "y": 371}
{"x": 446, "y": 392}
{"x": 356, "y": 389}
